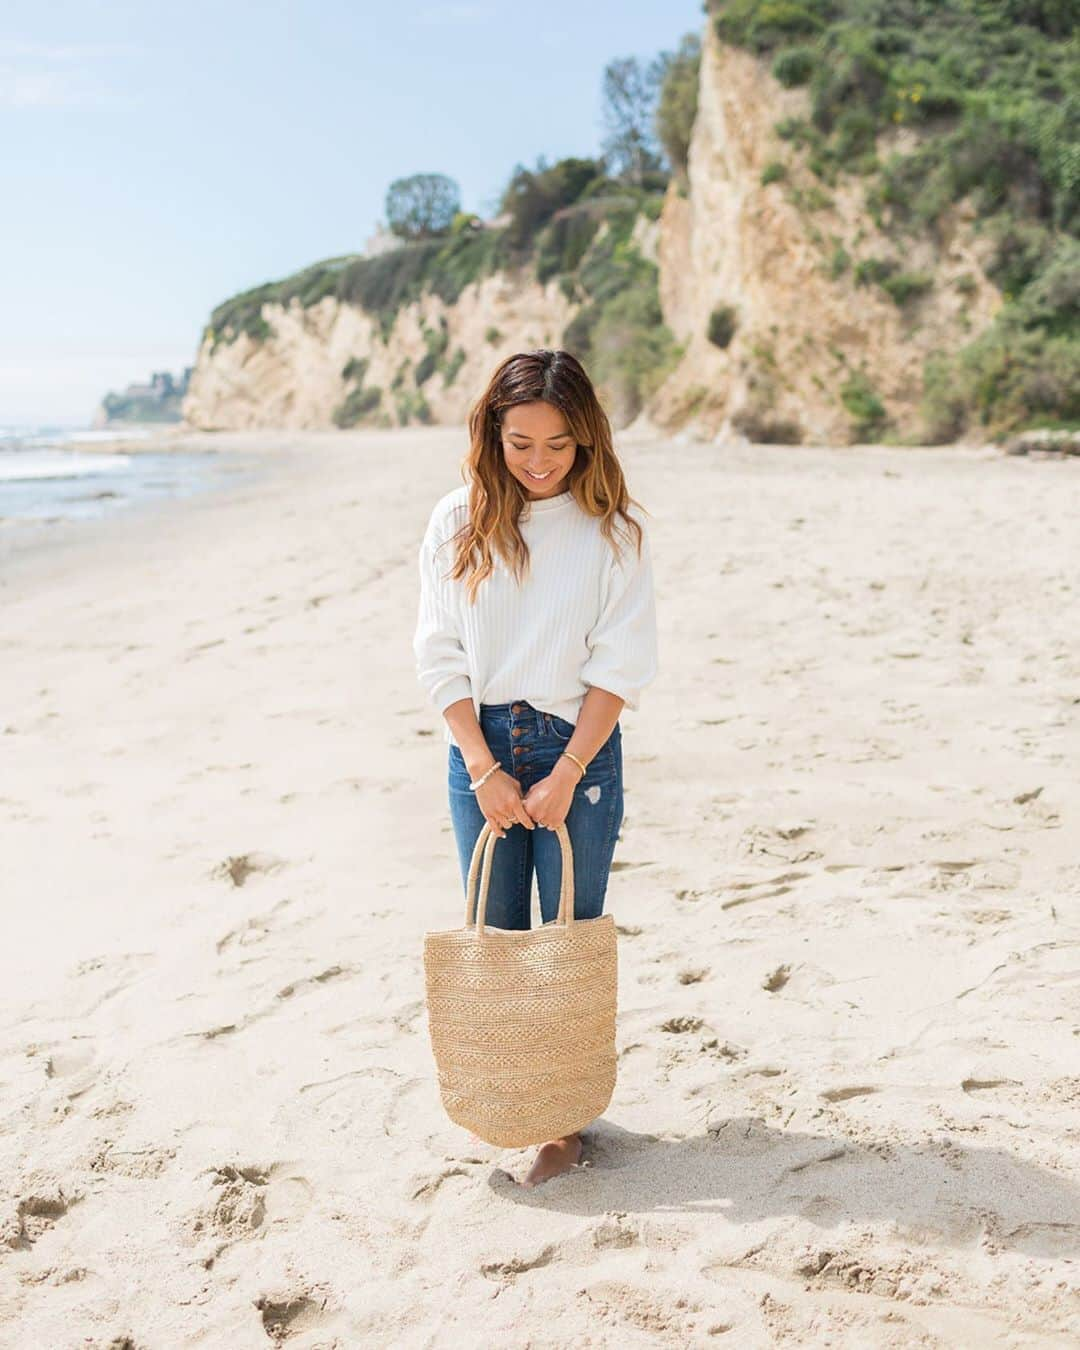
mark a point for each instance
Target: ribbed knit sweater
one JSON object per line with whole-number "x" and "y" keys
{"x": 581, "y": 616}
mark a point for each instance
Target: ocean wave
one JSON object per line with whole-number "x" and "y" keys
{"x": 20, "y": 466}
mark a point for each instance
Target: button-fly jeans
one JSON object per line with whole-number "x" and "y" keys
{"x": 528, "y": 742}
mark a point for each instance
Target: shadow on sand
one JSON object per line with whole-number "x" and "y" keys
{"x": 938, "y": 1192}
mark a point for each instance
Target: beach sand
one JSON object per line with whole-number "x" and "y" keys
{"x": 848, "y": 1106}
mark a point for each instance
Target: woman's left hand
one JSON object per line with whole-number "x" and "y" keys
{"x": 549, "y": 801}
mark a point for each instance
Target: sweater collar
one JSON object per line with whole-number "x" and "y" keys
{"x": 550, "y": 503}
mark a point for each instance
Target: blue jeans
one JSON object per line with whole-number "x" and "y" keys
{"x": 527, "y": 742}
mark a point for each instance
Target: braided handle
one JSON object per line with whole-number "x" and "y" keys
{"x": 482, "y": 854}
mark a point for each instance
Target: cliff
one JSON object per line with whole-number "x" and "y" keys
{"x": 330, "y": 364}
{"x": 814, "y": 355}
{"x": 832, "y": 266}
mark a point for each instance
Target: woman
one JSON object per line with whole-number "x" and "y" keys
{"x": 536, "y": 624}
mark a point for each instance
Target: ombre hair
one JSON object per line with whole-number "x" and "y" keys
{"x": 495, "y": 495}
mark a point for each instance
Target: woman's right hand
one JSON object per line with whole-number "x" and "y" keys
{"x": 502, "y": 803}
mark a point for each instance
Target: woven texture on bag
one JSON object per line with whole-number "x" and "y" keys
{"x": 522, "y": 1023}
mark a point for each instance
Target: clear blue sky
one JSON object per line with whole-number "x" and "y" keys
{"x": 158, "y": 158}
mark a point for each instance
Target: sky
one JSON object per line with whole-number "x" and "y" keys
{"x": 157, "y": 159}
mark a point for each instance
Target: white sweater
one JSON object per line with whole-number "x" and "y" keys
{"x": 581, "y": 617}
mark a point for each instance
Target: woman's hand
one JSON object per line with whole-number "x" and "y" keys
{"x": 548, "y": 802}
{"x": 502, "y": 804}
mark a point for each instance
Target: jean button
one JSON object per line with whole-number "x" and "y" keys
{"x": 516, "y": 707}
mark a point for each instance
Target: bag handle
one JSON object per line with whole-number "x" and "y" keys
{"x": 482, "y": 853}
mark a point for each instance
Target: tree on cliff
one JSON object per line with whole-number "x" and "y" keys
{"x": 630, "y": 93}
{"x": 422, "y": 206}
{"x": 676, "y": 106}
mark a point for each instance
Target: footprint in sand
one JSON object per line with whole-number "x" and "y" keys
{"x": 139, "y": 1163}
{"x": 238, "y": 1204}
{"x": 646, "y": 1311}
{"x": 615, "y": 1230}
{"x": 100, "y": 978}
{"x": 776, "y": 979}
{"x": 509, "y": 1269}
{"x": 238, "y": 868}
{"x": 777, "y": 841}
{"x": 255, "y": 929}
{"x": 718, "y": 1049}
{"x": 843, "y": 1094}
{"x": 426, "y": 1188}
{"x": 68, "y": 1059}
{"x": 36, "y": 1211}
{"x": 970, "y": 1085}
{"x": 69, "y": 1067}
{"x": 287, "y": 1315}
{"x": 244, "y": 1198}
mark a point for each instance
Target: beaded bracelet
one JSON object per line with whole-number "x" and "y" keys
{"x": 484, "y": 777}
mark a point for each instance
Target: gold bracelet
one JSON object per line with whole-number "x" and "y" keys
{"x": 582, "y": 767}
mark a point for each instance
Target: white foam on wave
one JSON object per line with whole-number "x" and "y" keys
{"x": 109, "y": 434}
{"x": 21, "y": 466}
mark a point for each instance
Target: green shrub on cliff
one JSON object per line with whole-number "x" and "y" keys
{"x": 1023, "y": 371}
{"x": 861, "y": 400}
{"x": 359, "y": 404}
{"x": 764, "y": 24}
{"x": 358, "y": 407}
{"x": 794, "y": 66}
{"x": 905, "y": 286}
{"x": 533, "y": 196}
{"x": 721, "y": 327}
{"x": 382, "y": 285}
{"x": 619, "y": 331}
{"x": 564, "y": 240}
{"x": 436, "y": 341}
{"x": 241, "y": 314}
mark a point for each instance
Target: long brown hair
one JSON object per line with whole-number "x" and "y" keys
{"x": 495, "y": 495}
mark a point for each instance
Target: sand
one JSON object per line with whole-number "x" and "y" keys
{"x": 848, "y": 1106}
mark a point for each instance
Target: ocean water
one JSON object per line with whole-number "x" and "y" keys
{"x": 51, "y": 473}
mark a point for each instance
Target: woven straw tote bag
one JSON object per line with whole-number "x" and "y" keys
{"x": 522, "y": 1022}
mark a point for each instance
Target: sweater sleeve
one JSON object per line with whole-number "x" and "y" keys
{"x": 623, "y": 655}
{"x": 441, "y": 663}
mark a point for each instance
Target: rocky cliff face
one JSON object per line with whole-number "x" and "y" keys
{"x": 307, "y": 368}
{"x": 810, "y": 347}
{"x": 780, "y": 272}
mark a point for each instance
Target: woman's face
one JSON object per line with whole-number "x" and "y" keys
{"x": 538, "y": 447}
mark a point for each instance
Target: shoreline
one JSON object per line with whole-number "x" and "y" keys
{"x": 30, "y": 545}
{"x": 28, "y": 542}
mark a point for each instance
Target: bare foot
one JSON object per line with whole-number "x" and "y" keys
{"x": 553, "y": 1158}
